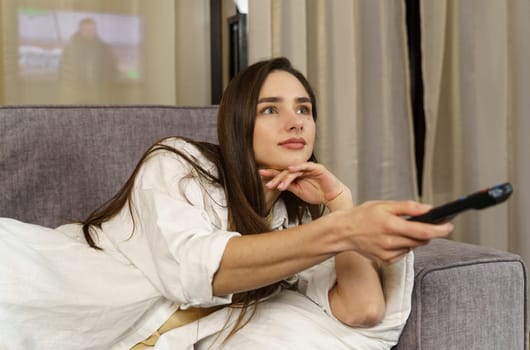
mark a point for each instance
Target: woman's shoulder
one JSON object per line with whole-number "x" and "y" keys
{"x": 177, "y": 156}
{"x": 180, "y": 147}
{"x": 179, "y": 167}
{"x": 185, "y": 145}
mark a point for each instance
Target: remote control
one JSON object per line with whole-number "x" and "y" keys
{"x": 478, "y": 200}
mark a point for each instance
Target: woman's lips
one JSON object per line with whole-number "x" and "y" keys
{"x": 293, "y": 143}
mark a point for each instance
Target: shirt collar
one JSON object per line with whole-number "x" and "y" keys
{"x": 279, "y": 215}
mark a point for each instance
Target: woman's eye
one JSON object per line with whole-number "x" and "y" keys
{"x": 304, "y": 110}
{"x": 268, "y": 110}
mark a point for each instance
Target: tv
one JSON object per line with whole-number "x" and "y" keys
{"x": 48, "y": 38}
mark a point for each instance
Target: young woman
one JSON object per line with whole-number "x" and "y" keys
{"x": 209, "y": 247}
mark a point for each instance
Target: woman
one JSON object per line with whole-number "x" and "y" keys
{"x": 223, "y": 246}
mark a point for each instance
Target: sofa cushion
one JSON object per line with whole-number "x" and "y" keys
{"x": 58, "y": 163}
{"x": 462, "y": 291}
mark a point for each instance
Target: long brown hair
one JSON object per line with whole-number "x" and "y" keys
{"x": 236, "y": 165}
{"x": 243, "y": 185}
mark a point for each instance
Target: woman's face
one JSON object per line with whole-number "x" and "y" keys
{"x": 284, "y": 131}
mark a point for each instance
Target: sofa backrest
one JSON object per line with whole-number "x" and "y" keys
{"x": 59, "y": 163}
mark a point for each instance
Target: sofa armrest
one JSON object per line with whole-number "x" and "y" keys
{"x": 467, "y": 297}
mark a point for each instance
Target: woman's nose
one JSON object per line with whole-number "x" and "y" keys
{"x": 295, "y": 123}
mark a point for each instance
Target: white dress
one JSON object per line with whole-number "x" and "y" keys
{"x": 58, "y": 293}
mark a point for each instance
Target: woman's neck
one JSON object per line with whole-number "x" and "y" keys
{"x": 271, "y": 196}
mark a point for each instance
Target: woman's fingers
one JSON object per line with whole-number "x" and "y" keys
{"x": 420, "y": 231}
{"x": 306, "y": 169}
{"x": 307, "y": 166}
{"x": 280, "y": 179}
{"x": 273, "y": 176}
{"x": 288, "y": 179}
{"x": 380, "y": 231}
{"x": 309, "y": 181}
{"x": 405, "y": 208}
{"x": 388, "y": 248}
{"x": 397, "y": 222}
{"x": 268, "y": 173}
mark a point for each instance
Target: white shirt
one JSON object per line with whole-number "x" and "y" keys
{"x": 58, "y": 293}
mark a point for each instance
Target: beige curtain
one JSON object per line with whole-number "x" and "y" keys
{"x": 155, "y": 59}
{"x": 354, "y": 54}
{"x": 476, "y": 56}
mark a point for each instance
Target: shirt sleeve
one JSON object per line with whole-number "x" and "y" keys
{"x": 175, "y": 242}
{"x": 316, "y": 282}
{"x": 398, "y": 283}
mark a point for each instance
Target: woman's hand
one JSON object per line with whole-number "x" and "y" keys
{"x": 311, "y": 182}
{"x": 377, "y": 229}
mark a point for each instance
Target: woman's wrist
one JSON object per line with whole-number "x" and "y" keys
{"x": 341, "y": 201}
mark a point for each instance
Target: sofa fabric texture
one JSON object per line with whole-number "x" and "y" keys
{"x": 59, "y": 163}
{"x": 467, "y": 297}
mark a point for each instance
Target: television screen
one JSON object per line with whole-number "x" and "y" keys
{"x": 62, "y": 44}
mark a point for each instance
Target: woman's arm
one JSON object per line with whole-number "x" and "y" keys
{"x": 357, "y": 298}
{"x": 375, "y": 230}
{"x": 253, "y": 261}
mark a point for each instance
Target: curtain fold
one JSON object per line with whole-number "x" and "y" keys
{"x": 476, "y": 78}
{"x": 519, "y": 239}
{"x": 355, "y": 56}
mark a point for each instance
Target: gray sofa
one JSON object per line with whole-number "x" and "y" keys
{"x": 58, "y": 163}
